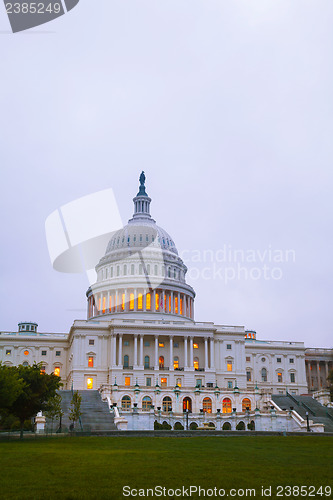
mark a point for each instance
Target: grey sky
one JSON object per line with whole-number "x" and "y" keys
{"x": 226, "y": 105}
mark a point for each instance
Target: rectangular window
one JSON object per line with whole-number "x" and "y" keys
{"x": 127, "y": 381}
{"x": 176, "y": 305}
{"x": 179, "y": 382}
{"x": 229, "y": 347}
{"x": 163, "y": 382}
{"x": 248, "y": 376}
{"x": 126, "y": 342}
{"x": 279, "y": 376}
{"x": 199, "y": 382}
{"x": 291, "y": 360}
{"x": 147, "y": 343}
{"x": 229, "y": 367}
{"x": 292, "y": 378}
{"x": 248, "y": 359}
{"x": 195, "y": 346}
{"x": 148, "y": 301}
{"x": 91, "y": 362}
{"x": 278, "y": 360}
{"x": 140, "y": 301}
{"x": 148, "y": 382}
{"x": 175, "y": 344}
{"x": 161, "y": 344}
{"x": 210, "y": 384}
{"x": 91, "y": 342}
{"x": 58, "y": 353}
{"x": 123, "y": 302}
{"x": 90, "y": 383}
{"x": 57, "y": 371}
{"x": 229, "y": 384}
{"x": 8, "y": 352}
{"x": 157, "y": 304}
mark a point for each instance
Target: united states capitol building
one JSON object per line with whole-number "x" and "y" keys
{"x": 142, "y": 349}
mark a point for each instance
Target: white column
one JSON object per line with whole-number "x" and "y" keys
{"x": 114, "y": 349}
{"x": 206, "y": 354}
{"x": 185, "y": 352}
{"x": 120, "y": 350}
{"x": 156, "y": 353}
{"x": 141, "y": 350}
{"x": 171, "y": 354}
{"x": 135, "y": 361}
{"x": 212, "y": 353}
{"x": 191, "y": 352}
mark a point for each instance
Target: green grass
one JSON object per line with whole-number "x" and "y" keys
{"x": 98, "y": 467}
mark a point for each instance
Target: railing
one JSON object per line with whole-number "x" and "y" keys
{"x": 179, "y": 369}
{"x": 127, "y": 367}
{"x": 293, "y": 399}
{"x": 308, "y": 409}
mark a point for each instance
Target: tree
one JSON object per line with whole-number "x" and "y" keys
{"x": 38, "y": 389}
{"x": 330, "y": 380}
{"x": 54, "y": 409}
{"x": 11, "y": 386}
{"x": 75, "y": 412}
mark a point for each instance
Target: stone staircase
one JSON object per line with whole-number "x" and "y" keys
{"x": 95, "y": 413}
{"x": 318, "y": 413}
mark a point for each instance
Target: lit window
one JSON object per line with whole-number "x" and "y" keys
{"x": 175, "y": 363}
{"x": 195, "y": 346}
{"x": 91, "y": 362}
{"x": 229, "y": 366}
{"x": 146, "y": 403}
{"x": 91, "y": 342}
{"x": 207, "y": 405}
{"x": 42, "y": 370}
{"x": 57, "y": 371}
{"x": 246, "y": 404}
{"x": 181, "y": 306}
{"x": 179, "y": 382}
{"x": 161, "y": 362}
{"x": 131, "y": 301}
{"x": 26, "y": 353}
{"x": 161, "y": 344}
{"x": 248, "y": 376}
{"x": 163, "y": 382}
{"x": 157, "y": 305}
{"x": 127, "y": 381}
{"x": 176, "y": 305}
{"x": 148, "y": 301}
{"x": 58, "y": 353}
{"x": 167, "y": 404}
{"x": 103, "y": 310}
{"x": 196, "y": 363}
{"x": 90, "y": 383}
{"x": 140, "y": 301}
{"x": 169, "y": 303}
{"x": 99, "y": 304}
{"x": 279, "y": 376}
{"x": 123, "y": 302}
{"x": 126, "y": 402}
{"x": 226, "y": 405}
{"x": 8, "y": 352}
{"x": 187, "y": 404}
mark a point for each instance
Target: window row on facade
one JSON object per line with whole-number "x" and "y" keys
{"x": 119, "y": 271}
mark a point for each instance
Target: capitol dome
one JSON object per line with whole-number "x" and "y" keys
{"x": 141, "y": 271}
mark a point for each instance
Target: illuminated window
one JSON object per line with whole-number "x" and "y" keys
{"x": 246, "y": 404}
{"x": 264, "y": 375}
{"x": 140, "y": 301}
{"x": 176, "y": 305}
{"x": 195, "y": 346}
{"x": 229, "y": 366}
{"x": 169, "y": 303}
{"x": 161, "y": 362}
{"x": 146, "y": 361}
{"x": 157, "y": 304}
{"x": 161, "y": 344}
{"x": 99, "y": 304}
{"x": 146, "y": 403}
{"x": 181, "y": 306}
{"x": 126, "y": 361}
{"x": 131, "y": 301}
{"x": 103, "y": 310}
{"x": 179, "y": 382}
{"x": 126, "y": 403}
{"x": 167, "y": 404}
{"x": 148, "y": 301}
{"x": 165, "y": 303}
{"x": 163, "y": 382}
{"x": 127, "y": 380}
{"x": 110, "y": 304}
{"x": 196, "y": 363}
{"x": 207, "y": 405}
{"x": 8, "y": 352}
{"x": 175, "y": 363}
{"x": 187, "y": 404}
{"x": 26, "y": 353}
{"x": 123, "y": 302}
{"x": 90, "y": 383}
{"x": 57, "y": 371}
{"x": 91, "y": 362}
{"x": 279, "y": 377}
{"x": 42, "y": 370}
{"x": 226, "y": 405}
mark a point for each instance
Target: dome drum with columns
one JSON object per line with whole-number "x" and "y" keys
{"x": 141, "y": 271}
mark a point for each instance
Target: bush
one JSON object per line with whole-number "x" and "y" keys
{"x": 179, "y": 426}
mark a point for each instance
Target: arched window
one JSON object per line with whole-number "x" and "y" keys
{"x": 176, "y": 305}
{"x": 175, "y": 363}
{"x": 226, "y": 426}
{"x": 207, "y": 405}
{"x": 146, "y": 403}
{"x": 125, "y": 269}
{"x": 126, "y": 403}
{"x": 246, "y": 404}
{"x": 157, "y": 304}
{"x": 161, "y": 362}
{"x": 140, "y": 301}
{"x": 147, "y": 360}
{"x": 196, "y": 363}
{"x": 167, "y": 404}
{"x": 263, "y": 375}
{"x": 226, "y": 405}
{"x": 25, "y": 363}
{"x": 131, "y": 301}
{"x": 148, "y": 301}
{"x": 126, "y": 360}
{"x": 155, "y": 270}
{"x": 187, "y": 404}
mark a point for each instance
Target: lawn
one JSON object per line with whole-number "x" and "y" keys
{"x": 99, "y": 467}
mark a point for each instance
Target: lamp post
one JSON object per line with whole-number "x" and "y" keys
{"x": 186, "y": 411}
{"x": 307, "y": 422}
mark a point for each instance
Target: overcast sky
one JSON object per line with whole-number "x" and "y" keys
{"x": 226, "y": 105}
